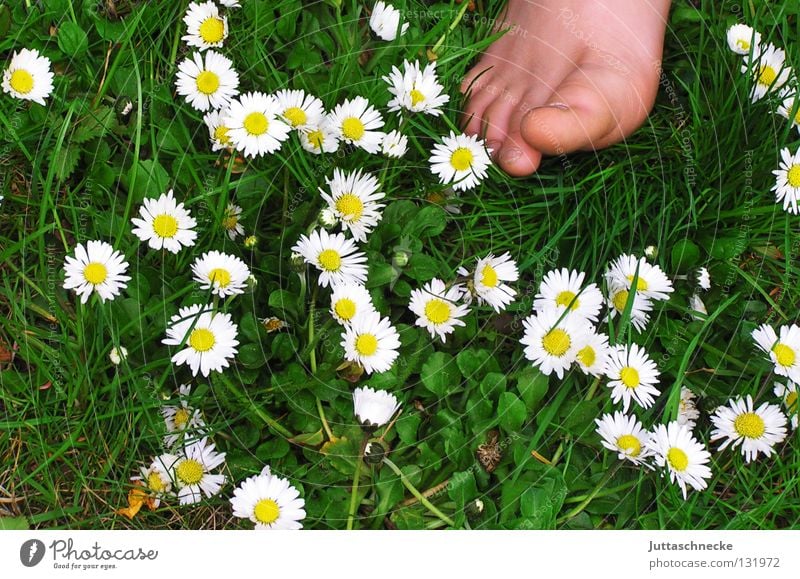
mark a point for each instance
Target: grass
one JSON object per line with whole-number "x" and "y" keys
{"x": 693, "y": 181}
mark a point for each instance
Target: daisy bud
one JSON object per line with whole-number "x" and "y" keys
{"x": 375, "y": 451}
{"x": 298, "y": 263}
{"x": 124, "y": 108}
{"x": 250, "y": 241}
{"x": 252, "y": 282}
{"x": 327, "y": 219}
{"x": 117, "y": 355}
{"x": 400, "y": 258}
{"x": 474, "y": 509}
{"x": 651, "y": 251}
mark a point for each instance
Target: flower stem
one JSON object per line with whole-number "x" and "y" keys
{"x": 351, "y": 512}
{"x": 452, "y": 27}
{"x": 420, "y": 497}
{"x": 590, "y": 497}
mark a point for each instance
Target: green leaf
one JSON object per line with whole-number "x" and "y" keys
{"x": 511, "y": 411}
{"x": 422, "y": 267}
{"x": 440, "y": 374}
{"x": 252, "y": 356}
{"x": 532, "y": 387}
{"x": 406, "y": 427}
{"x": 146, "y": 179}
{"x": 472, "y": 363}
{"x": 431, "y": 220}
{"x": 65, "y": 160}
{"x": 685, "y": 255}
{"x": 14, "y": 524}
{"x": 493, "y": 384}
{"x": 72, "y": 40}
{"x": 283, "y": 303}
{"x": 96, "y": 124}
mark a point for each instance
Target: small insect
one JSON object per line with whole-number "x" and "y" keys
{"x": 273, "y": 324}
{"x": 488, "y": 453}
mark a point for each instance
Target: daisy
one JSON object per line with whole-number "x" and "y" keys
{"x": 769, "y": 71}
{"x": 787, "y": 181}
{"x": 687, "y": 410}
{"x": 336, "y": 257}
{"x": 358, "y": 123}
{"x": 217, "y": 131}
{"x": 784, "y": 352}
{"x": 685, "y": 458}
{"x": 208, "y": 339}
{"x": 757, "y": 430}
{"x": 460, "y": 160}
{"x": 788, "y": 393}
{"x": 374, "y": 408}
{"x": 632, "y": 376}
{"x": 349, "y": 300}
{"x": 320, "y": 138}
{"x": 486, "y": 284}
{"x": 96, "y": 268}
{"x": 353, "y": 200}
{"x": 155, "y": 479}
{"x": 372, "y": 342}
{"x": 437, "y": 308}
{"x": 625, "y": 436}
{"x": 117, "y": 355}
{"x": 697, "y": 306}
{"x": 270, "y": 501}
{"x": 28, "y": 76}
{"x": 230, "y": 3}
{"x": 651, "y": 282}
{"x": 592, "y": 352}
{"x": 561, "y": 289}
{"x": 394, "y": 145}
{"x": 618, "y": 296}
{"x": 703, "y": 279}
{"x": 790, "y": 109}
{"x": 552, "y": 344}
{"x": 191, "y": 472}
{"x": 254, "y": 126}
{"x": 230, "y": 221}
{"x": 165, "y": 224}
{"x": 205, "y": 27}
{"x": 225, "y": 275}
{"x": 182, "y": 419}
{"x": 416, "y": 90}
{"x": 207, "y": 85}
{"x": 299, "y": 109}
{"x": 741, "y": 38}
{"x": 385, "y": 21}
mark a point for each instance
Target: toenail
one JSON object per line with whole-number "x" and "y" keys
{"x": 559, "y": 106}
{"x": 510, "y": 155}
{"x": 494, "y": 146}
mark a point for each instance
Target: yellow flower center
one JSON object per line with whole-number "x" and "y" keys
{"x": 437, "y": 311}
{"x": 154, "y": 482}
{"x": 189, "y": 471}
{"x": 330, "y": 260}
{"x": 181, "y": 418}
{"x": 784, "y": 355}
{"x": 587, "y": 356}
{"x": 345, "y": 308}
{"x": 556, "y": 342}
{"x": 749, "y": 425}
{"x": 366, "y": 344}
{"x": 350, "y": 206}
{"x": 353, "y": 128}
{"x": 791, "y": 402}
{"x": 743, "y": 44}
{"x": 266, "y": 511}
{"x": 677, "y": 459}
{"x": 767, "y": 75}
{"x": 207, "y": 82}
{"x": 641, "y": 284}
{"x": 316, "y": 138}
{"x": 629, "y": 377}
{"x": 793, "y": 175}
{"x": 461, "y": 159}
{"x": 256, "y": 124}
{"x": 21, "y": 81}
{"x": 165, "y": 225}
{"x": 212, "y": 30}
{"x": 202, "y": 339}
{"x": 220, "y": 277}
{"x": 95, "y": 273}
{"x": 416, "y": 97}
{"x": 230, "y": 221}
{"x": 489, "y": 276}
{"x": 296, "y": 116}
{"x": 620, "y": 299}
{"x": 221, "y": 135}
{"x": 629, "y": 444}
{"x": 565, "y": 299}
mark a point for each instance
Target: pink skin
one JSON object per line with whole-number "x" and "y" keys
{"x": 570, "y": 75}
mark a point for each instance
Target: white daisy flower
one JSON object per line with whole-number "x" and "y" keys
{"x": 461, "y": 161}
{"x": 790, "y": 109}
{"x": 769, "y": 71}
{"x": 591, "y": 353}
{"x": 299, "y": 109}
{"x": 703, "y": 279}
{"x": 96, "y": 268}
{"x": 685, "y": 458}
{"x": 697, "y": 306}
{"x": 552, "y": 344}
{"x": 225, "y": 275}
{"x": 165, "y": 224}
{"x": 374, "y": 408}
{"x": 353, "y": 199}
{"x": 618, "y": 296}
{"x": 358, "y": 123}
{"x": 349, "y": 300}
{"x": 182, "y": 419}
{"x": 625, "y": 436}
{"x": 437, "y": 308}
{"x": 271, "y": 502}
{"x": 652, "y": 283}
{"x": 756, "y": 430}
{"x": 254, "y": 126}
{"x": 28, "y": 76}
{"x": 217, "y": 131}
{"x": 230, "y": 221}
{"x": 230, "y": 3}
{"x": 207, "y": 85}
{"x": 787, "y": 181}
{"x": 687, "y": 410}
{"x": 486, "y": 284}
{"x": 632, "y": 376}
{"x": 385, "y": 21}
{"x": 415, "y": 89}
{"x": 561, "y": 289}
{"x": 337, "y": 258}
{"x": 205, "y": 27}
{"x": 320, "y": 138}
{"x": 208, "y": 339}
{"x": 372, "y": 342}
{"x": 191, "y": 472}
{"x": 788, "y": 393}
{"x": 117, "y": 355}
{"x": 155, "y": 479}
{"x": 395, "y": 144}
{"x": 741, "y": 38}
{"x": 784, "y": 352}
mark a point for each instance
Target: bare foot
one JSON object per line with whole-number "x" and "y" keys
{"x": 569, "y": 75}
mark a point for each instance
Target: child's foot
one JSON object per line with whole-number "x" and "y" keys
{"x": 570, "y": 75}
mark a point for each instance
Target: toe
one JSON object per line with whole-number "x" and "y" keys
{"x": 495, "y": 118}
{"x": 516, "y": 157}
{"x": 480, "y": 94}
